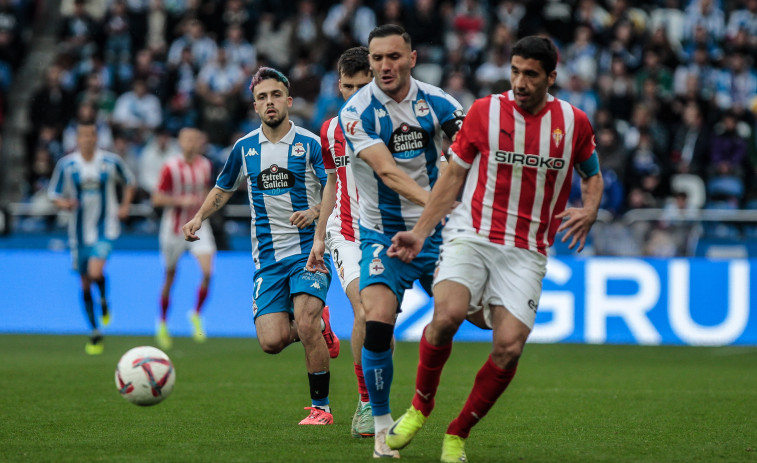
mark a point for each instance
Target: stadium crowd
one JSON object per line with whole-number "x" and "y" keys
{"x": 670, "y": 86}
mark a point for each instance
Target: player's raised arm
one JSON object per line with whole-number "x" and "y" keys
{"x": 215, "y": 200}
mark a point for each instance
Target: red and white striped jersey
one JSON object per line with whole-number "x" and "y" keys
{"x": 179, "y": 178}
{"x": 519, "y": 170}
{"x": 336, "y": 159}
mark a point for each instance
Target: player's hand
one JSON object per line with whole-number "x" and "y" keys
{"x": 190, "y": 228}
{"x": 315, "y": 259}
{"x": 405, "y": 246}
{"x": 578, "y": 224}
{"x": 123, "y": 211}
{"x": 187, "y": 201}
{"x": 67, "y": 204}
{"x": 302, "y": 219}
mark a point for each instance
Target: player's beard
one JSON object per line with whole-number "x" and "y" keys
{"x": 274, "y": 122}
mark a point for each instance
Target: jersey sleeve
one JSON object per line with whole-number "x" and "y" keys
{"x": 466, "y": 146}
{"x": 57, "y": 187}
{"x": 358, "y": 132}
{"x": 165, "y": 180}
{"x": 124, "y": 172}
{"x": 584, "y": 144}
{"x": 316, "y": 161}
{"x": 229, "y": 178}
{"x": 450, "y": 113}
{"x": 327, "y": 147}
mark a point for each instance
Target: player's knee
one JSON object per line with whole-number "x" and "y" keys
{"x": 506, "y": 354}
{"x": 272, "y": 346}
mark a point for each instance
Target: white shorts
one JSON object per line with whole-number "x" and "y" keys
{"x": 173, "y": 246}
{"x": 346, "y": 255}
{"x": 495, "y": 275}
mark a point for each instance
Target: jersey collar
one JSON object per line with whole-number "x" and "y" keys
{"x": 288, "y": 138}
{"x": 384, "y": 98}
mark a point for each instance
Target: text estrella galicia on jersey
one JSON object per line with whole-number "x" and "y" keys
{"x": 275, "y": 180}
{"x": 408, "y": 141}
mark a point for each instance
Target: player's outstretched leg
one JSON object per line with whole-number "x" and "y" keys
{"x": 332, "y": 342}
{"x": 317, "y": 416}
{"x": 380, "y": 449}
{"x": 453, "y": 449}
{"x": 198, "y": 330}
{"x": 405, "y": 428}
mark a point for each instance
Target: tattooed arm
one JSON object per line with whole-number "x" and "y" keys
{"x": 215, "y": 200}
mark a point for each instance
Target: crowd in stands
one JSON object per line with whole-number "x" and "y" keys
{"x": 669, "y": 85}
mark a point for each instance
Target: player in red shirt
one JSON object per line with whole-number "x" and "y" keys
{"x": 513, "y": 158}
{"x": 182, "y": 185}
{"x": 337, "y": 227}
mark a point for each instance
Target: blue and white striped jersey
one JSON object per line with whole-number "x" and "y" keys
{"x": 282, "y": 178}
{"x": 412, "y": 131}
{"x": 93, "y": 185}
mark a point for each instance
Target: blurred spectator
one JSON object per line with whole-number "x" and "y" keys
{"x": 152, "y": 72}
{"x": 609, "y": 147}
{"x": 581, "y": 55}
{"x": 391, "y": 12}
{"x": 307, "y": 32}
{"x": 493, "y": 71}
{"x": 509, "y": 13}
{"x": 470, "y": 23}
{"x": 616, "y": 89}
{"x": 51, "y": 105}
{"x": 580, "y": 94}
{"x": 79, "y": 31}
{"x": 304, "y": 80}
{"x": 591, "y": 14}
{"x": 624, "y": 45}
{"x": 423, "y": 25}
{"x": 455, "y": 86}
{"x": 700, "y": 67}
{"x": 728, "y": 148}
{"x": 736, "y": 85}
{"x": 645, "y": 171}
{"x": 182, "y": 77}
{"x": 160, "y": 147}
{"x": 236, "y": 14}
{"x": 218, "y": 87}
{"x": 691, "y": 142}
{"x": 87, "y": 111}
{"x": 157, "y": 25}
{"x": 137, "y": 113}
{"x": 193, "y": 36}
{"x": 643, "y": 119}
{"x": 743, "y": 19}
{"x": 95, "y": 93}
{"x": 239, "y": 50}
{"x": 701, "y": 39}
{"x": 118, "y": 46}
{"x": 707, "y": 14}
{"x": 351, "y": 19}
{"x": 12, "y": 44}
{"x": 273, "y": 37}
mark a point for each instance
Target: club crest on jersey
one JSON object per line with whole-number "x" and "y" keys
{"x": 376, "y": 267}
{"x": 298, "y": 149}
{"x": 407, "y": 142}
{"x": 275, "y": 180}
{"x": 557, "y": 136}
{"x": 421, "y": 108}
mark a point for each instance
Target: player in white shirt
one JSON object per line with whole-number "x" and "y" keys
{"x": 183, "y": 183}
{"x": 84, "y": 182}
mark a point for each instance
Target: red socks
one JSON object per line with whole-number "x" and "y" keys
{"x": 164, "y": 302}
{"x": 361, "y": 388}
{"x": 202, "y": 293}
{"x": 491, "y": 382}
{"x": 430, "y": 365}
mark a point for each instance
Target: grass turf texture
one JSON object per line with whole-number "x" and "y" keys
{"x": 231, "y": 402}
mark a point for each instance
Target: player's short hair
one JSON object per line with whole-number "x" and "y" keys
{"x": 387, "y": 30}
{"x": 265, "y": 73}
{"x": 539, "y": 48}
{"x": 353, "y": 61}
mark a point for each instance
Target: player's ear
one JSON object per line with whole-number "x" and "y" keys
{"x": 290, "y": 100}
{"x": 413, "y": 58}
{"x": 551, "y": 78}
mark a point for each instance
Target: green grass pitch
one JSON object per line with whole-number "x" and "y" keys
{"x": 232, "y": 403}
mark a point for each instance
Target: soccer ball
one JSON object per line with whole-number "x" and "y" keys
{"x": 145, "y": 375}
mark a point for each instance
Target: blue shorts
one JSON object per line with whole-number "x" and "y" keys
{"x": 80, "y": 255}
{"x": 378, "y": 268}
{"x": 276, "y": 284}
